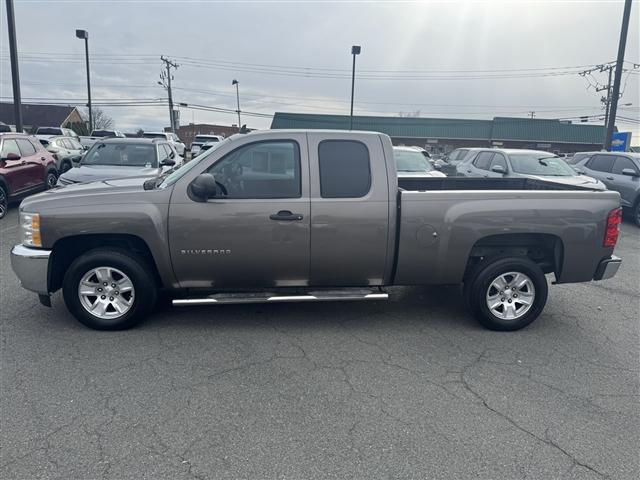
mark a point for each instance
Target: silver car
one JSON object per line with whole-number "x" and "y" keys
{"x": 540, "y": 165}
{"x": 121, "y": 158}
{"x": 619, "y": 171}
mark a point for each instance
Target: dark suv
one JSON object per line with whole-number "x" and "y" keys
{"x": 25, "y": 167}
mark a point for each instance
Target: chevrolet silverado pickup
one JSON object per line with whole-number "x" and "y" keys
{"x": 294, "y": 215}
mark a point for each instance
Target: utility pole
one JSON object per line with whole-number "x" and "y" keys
{"x": 618, "y": 75}
{"x": 84, "y": 35}
{"x": 355, "y": 50}
{"x": 165, "y": 78}
{"x": 237, "y": 84}
{"x": 607, "y": 104}
{"x": 15, "y": 74}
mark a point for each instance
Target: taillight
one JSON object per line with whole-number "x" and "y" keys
{"x": 613, "y": 227}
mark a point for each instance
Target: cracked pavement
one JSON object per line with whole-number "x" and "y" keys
{"x": 410, "y": 388}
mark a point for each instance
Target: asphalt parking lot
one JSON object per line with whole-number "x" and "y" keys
{"x": 411, "y": 388}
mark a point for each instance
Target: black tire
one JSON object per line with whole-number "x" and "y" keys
{"x": 4, "y": 202}
{"x": 50, "y": 179}
{"x": 477, "y": 289}
{"x": 131, "y": 265}
{"x": 65, "y": 167}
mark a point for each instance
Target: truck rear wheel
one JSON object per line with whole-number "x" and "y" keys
{"x": 109, "y": 289}
{"x": 507, "y": 293}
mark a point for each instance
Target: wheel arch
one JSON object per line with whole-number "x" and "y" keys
{"x": 67, "y": 249}
{"x": 546, "y": 250}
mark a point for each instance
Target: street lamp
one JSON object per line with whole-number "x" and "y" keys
{"x": 235, "y": 82}
{"x": 355, "y": 50}
{"x": 84, "y": 35}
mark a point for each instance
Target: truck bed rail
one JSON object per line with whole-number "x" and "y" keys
{"x": 474, "y": 183}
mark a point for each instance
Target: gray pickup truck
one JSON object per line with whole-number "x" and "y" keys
{"x": 292, "y": 215}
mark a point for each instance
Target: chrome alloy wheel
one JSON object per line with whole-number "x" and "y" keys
{"x": 106, "y": 292}
{"x": 51, "y": 181}
{"x": 510, "y": 295}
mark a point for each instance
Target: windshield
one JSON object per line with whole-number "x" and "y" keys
{"x": 48, "y": 131}
{"x": 175, "y": 175}
{"x": 411, "y": 161}
{"x": 122, "y": 155}
{"x": 154, "y": 135}
{"x": 539, "y": 164}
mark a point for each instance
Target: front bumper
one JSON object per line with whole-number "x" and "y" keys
{"x": 607, "y": 268}
{"x": 31, "y": 266}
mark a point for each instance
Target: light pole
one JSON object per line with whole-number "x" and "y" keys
{"x": 235, "y": 82}
{"x": 15, "y": 76}
{"x": 84, "y": 35}
{"x": 355, "y": 50}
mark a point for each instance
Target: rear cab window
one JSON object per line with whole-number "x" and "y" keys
{"x": 345, "y": 169}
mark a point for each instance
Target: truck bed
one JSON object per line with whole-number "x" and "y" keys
{"x": 474, "y": 183}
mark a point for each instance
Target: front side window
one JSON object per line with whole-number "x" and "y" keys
{"x": 269, "y": 169}
{"x": 601, "y": 163}
{"x": 345, "y": 170}
{"x": 9, "y": 146}
{"x": 498, "y": 159}
{"x": 621, "y": 163}
{"x": 121, "y": 154}
{"x": 26, "y": 148}
{"x": 483, "y": 160}
{"x": 162, "y": 153}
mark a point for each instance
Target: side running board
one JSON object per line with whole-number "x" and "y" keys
{"x": 265, "y": 297}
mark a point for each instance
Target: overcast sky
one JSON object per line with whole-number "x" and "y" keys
{"x": 295, "y": 56}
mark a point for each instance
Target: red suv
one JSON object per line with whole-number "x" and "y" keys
{"x": 25, "y": 167}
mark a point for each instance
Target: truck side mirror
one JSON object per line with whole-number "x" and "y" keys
{"x": 168, "y": 162}
{"x": 499, "y": 169}
{"x": 203, "y": 187}
{"x": 630, "y": 172}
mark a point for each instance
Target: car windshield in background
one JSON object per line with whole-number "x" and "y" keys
{"x": 122, "y": 155}
{"x": 411, "y": 161}
{"x": 154, "y": 135}
{"x": 205, "y": 138}
{"x": 102, "y": 133}
{"x": 49, "y": 131}
{"x": 538, "y": 164}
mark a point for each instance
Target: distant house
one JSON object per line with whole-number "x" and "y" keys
{"x": 34, "y": 116}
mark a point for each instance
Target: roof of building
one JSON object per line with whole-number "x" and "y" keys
{"x": 500, "y": 128}
{"x": 36, "y": 115}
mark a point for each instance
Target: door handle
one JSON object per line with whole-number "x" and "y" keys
{"x": 43, "y": 158}
{"x": 609, "y": 178}
{"x": 285, "y": 216}
{"x": 23, "y": 162}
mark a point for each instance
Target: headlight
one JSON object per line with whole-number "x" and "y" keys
{"x": 30, "y": 229}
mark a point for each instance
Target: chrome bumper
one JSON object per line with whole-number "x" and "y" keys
{"x": 31, "y": 266}
{"x": 607, "y": 268}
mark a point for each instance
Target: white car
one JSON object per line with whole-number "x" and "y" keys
{"x": 172, "y": 138}
{"x": 200, "y": 141}
{"x": 414, "y": 162}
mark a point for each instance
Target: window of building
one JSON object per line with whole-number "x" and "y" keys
{"x": 345, "y": 170}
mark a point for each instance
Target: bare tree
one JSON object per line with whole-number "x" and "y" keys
{"x": 409, "y": 114}
{"x": 101, "y": 121}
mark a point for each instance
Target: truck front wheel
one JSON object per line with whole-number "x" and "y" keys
{"x": 507, "y": 293}
{"x": 109, "y": 289}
